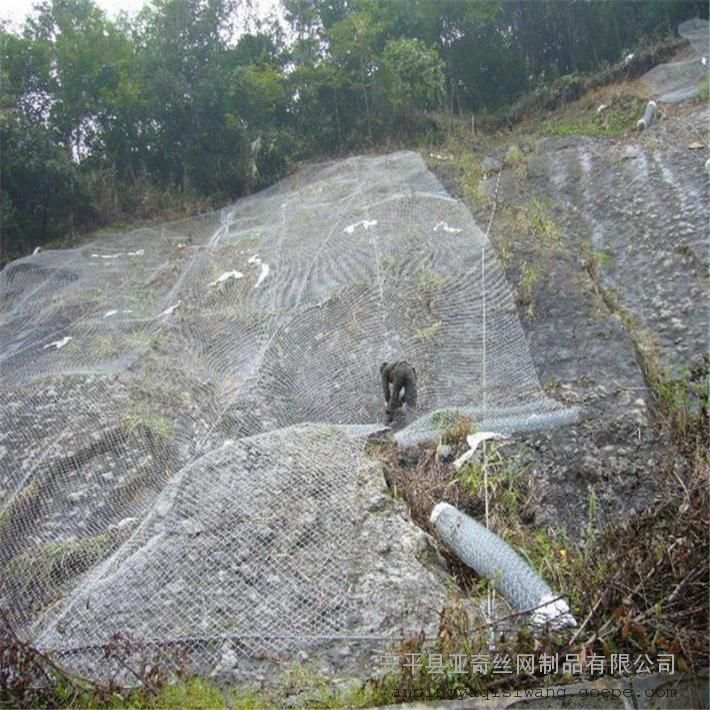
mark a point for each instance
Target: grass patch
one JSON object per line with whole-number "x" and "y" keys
{"x": 514, "y": 156}
{"x": 596, "y": 260}
{"x": 516, "y": 159}
{"x": 199, "y": 694}
{"x": 454, "y": 425}
{"x": 302, "y": 686}
{"x": 429, "y": 282}
{"x": 426, "y": 335}
{"x": 19, "y": 508}
{"x": 543, "y": 225}
{"x": 683, "y": 403}
{"x": 39, "y": 575}
{"x": 618, "y": 118}
{"x": 505, "y": 253}
{"x": 507, "y": 493}
{"x": 527, "y": 285}
{"x": 143, "y": 415}
{"x": 470, "y": 173}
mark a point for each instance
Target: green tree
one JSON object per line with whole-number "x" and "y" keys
{"x": 415, "y": 75}
{"x": 94, "y": 111}
{"x": 183, "y": 49}
{"x": 41, "y": 190}
{"x": 259, "y": 107}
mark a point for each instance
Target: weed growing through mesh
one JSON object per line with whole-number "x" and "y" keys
{"x": 35, "y": 576}
{"x": 543, "y": 224}
{"x": 31, "y": 678}
{"x": 516, "y": 159}
{"x": 428, "y": 334}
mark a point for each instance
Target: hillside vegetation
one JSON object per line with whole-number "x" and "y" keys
{"x": 178, "y": 108}
{"x": 162, "y": 476}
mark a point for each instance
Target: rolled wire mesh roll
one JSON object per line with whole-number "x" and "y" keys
{"x": 494, "y": 559}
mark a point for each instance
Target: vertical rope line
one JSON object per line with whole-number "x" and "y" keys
{"x": 483, "y": 285}
{"x": 491, "y": 633}
{"x": 483, "y": 380}
{"x": 483, "y": 373}
{"x": 483, "y": 328}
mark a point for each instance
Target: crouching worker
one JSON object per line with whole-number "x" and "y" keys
{"x": 399, "y": 385}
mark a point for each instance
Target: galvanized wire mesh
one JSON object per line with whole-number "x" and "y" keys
{"x": 688, "y": 77}
{"x": 494, "y": 559}
{"x": 156, "y": 478}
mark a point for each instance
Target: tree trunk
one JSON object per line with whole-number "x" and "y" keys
{"x": 367, "y": 114}
{"x": 337, "y": 119}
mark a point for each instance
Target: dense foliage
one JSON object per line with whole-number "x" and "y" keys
{"x": 102, "y": 120}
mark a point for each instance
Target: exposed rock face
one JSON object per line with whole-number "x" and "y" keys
{"x": 266, "y": 546}
{"x": 643, "y": 224}
{"x": 623, "y": 283}
{"x": 158, "y": 476}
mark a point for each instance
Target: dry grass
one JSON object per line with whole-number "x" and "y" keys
{"x": 650, "y": 575}
{"x": 640, "y": 587}
{"x": 423, "y": 480}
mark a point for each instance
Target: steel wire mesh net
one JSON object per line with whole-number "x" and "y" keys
{"x": 158, "y": 475}
{"x": 687, "y": 77}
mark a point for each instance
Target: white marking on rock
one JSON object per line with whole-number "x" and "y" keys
{"x": 58, "y": 343}
{"x": 264, "y": 273}
{"x": 170, "y": 311}
{"x": 365, "y": 223}
{"x": 446, "y": 228}
{"x": 108, "y": 314}
{"x": 226, "y": 276}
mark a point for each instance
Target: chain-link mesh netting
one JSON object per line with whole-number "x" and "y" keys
{"x": 494, "y": 559}
{"x": 156, "y": 478}
{"x": 688, "y": 77}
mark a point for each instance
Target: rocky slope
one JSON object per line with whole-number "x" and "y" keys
{"x": 172, "y": 466}
{"x": 606, "y": 242}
